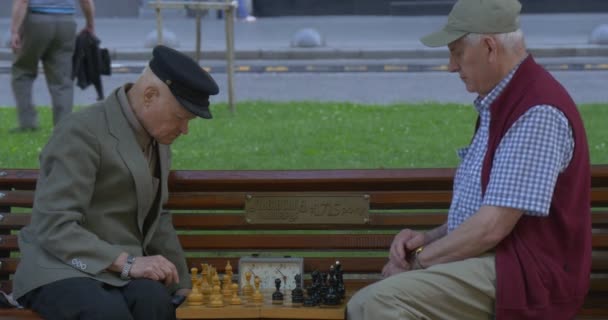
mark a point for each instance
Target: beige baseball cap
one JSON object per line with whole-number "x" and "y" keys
{"x": 476, "y": 16}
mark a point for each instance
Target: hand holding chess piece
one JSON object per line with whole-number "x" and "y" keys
{"x": 277, "y": 296}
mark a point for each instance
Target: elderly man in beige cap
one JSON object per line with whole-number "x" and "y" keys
{"x": 517, "y": 240}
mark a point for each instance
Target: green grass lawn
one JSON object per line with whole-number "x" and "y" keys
{"x": 311, "y": 135}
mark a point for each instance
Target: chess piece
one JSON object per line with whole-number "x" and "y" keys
{"x": 247, "y": 288}
{"x": 205, "y": 286}
{"x": 331, "y": 296}
{"x": 215, "y": 280}
{"x": 257, "y": 297}
{"x": 277, "y": 296}
{"x": 235, "y": 298}
{"x": 216, "y": 297}
{"x": 297, "y": 294}
{"x": 195, "y": 298}
{"x": 312, "y": 291}
{"x": 227, "y": 287}
{"x": 340, "y": 280}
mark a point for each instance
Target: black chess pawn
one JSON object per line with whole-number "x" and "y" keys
{"x": 297, "y": 294}
{"x": 277, "y": 296}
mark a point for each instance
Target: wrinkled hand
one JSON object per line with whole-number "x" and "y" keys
{"x": 15, "y": 42}
{"x": 156, "y": 268}
{"x": 391, "y": 269}
{"x": 405, "y": 242}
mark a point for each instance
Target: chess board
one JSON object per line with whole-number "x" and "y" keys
{"x": 266, "y": 310}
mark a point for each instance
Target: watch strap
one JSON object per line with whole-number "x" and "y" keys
{"x": 126, "y": 268}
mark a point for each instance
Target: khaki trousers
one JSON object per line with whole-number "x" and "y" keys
{"x": 458, "y": 290}
{"x": 48, "y": 38}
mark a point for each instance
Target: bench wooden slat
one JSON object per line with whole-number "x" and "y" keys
{"x": 599, "y": 239}
{"x": 312, "y": 180}
{"x": 18, "y": 314}
{"x": 236, "y": 221}
{"x": 11, "y": 221}
{"x": 236, "y": 200}
{"x": 222, "y": 221}
{"x": 17, "y": 198}
{"x": 350, "y": 264}
{"x": 599, "y": 197}
{"x": 291, "y": 241}
{"x": 287, "y": 242}
{"x": 288, "y": 180}
{"x": 8, "y": 242}
{"x": 378, "y": 199}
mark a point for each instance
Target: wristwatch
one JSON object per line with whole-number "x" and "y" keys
{"x": 124, "y": 274}
{"x": 417, "y": 263}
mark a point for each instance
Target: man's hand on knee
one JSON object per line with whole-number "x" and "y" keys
{"x": 155, "y": 268}
{"x": 391, "y": 269}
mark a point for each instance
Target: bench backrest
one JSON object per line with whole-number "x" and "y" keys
{"x": 208, "y": 212}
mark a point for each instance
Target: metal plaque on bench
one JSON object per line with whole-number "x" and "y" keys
{"x": 306, "y": 208}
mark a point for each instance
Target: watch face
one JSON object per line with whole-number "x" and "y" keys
{"x": 270, "y": 269}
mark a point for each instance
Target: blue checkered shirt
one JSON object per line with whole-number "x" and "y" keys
{"x": 530, "y": 156}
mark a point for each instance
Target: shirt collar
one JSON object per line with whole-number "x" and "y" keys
{"x": 141, "y": 135}
{"x": 484, "y": 103}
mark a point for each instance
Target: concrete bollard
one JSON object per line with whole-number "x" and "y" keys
{"x": 599, "y": 35}
{"x": 169, "y": 39}
{"x": 307, "y": 38}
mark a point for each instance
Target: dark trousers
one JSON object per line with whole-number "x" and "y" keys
{"x": 84, "y": 298}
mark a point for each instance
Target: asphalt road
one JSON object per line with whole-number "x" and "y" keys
{"x": 358, "y": 87}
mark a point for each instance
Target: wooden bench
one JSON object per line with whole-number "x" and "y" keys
{"x": 208, "y": 209}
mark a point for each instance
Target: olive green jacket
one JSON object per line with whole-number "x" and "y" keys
{"x": 92, "y": 197}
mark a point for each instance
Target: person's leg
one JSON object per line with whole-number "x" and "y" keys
{"x": 148, "y": 300}
{"x": 77, "y": 298}
{"x": 458, "y": 290}
{"x": 35, "y": 38}
{"x": 57, "y": 62}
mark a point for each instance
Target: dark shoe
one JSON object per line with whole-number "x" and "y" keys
{"x": 23, "y": 129}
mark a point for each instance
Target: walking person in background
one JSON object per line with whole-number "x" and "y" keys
{"x": 517, "y": 240}
{"x": 44, "y": 30}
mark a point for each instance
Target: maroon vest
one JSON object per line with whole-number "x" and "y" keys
{"x": 543, "y": 265}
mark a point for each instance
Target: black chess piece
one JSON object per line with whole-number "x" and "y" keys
{"x": 297, "y": 294}
{"x": 312, "y": 291}
{"x": 340, "y": 280}
{"x": 277, "y": 296}
{"x": 331, "y": 297}
{"x": 323, "y": 287}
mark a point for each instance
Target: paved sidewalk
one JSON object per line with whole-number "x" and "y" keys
{"x": 346, "y": 37}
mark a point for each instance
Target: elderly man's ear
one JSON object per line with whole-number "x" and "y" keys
{"x": 150, "y": 94}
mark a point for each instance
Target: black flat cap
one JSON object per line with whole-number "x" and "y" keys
{"x": 190, "y": 84}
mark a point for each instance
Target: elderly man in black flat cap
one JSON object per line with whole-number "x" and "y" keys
{"x": 100, "y": 245}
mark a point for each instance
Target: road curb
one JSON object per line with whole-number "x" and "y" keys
{"x": 333, "y": 53}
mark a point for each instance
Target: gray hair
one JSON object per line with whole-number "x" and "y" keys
{"x": 512, "y": 41}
